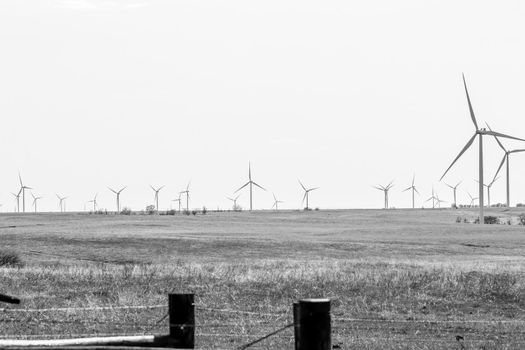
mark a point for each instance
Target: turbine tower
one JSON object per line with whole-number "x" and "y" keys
{"x": 250, "y": 182}
{"x": 454, "y": 188}
{"x": 505, "y": 159}
{"x": 94, "y": 201}
{"x": 35, "y": 199}
{"x": 118, "y": 196}
{"x": 157, "y": 190}
{"x": 23, "y": 188}
{"x": 413, "y": 188}
{"x": 479, "y": 132}
{"x": 276, "y": 203}
{"x": 187, "y": 192}
{"x": 385, "y": 189}
{"x": 306, "y": 193}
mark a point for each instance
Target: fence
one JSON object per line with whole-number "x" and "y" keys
{"x": 243, "y": 329}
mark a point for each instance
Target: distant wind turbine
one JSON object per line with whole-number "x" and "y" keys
{"x": 157, "y": 190}
{"x": 472, "y": 199}
{"x": 187, "y": 192}
{"x": 433, "y": 199}
{"x": 488, "y": 189}
{"x": 413, "y": 188}
{"x": 94, "y": 201}
{"x": 479, "y": 132}
{"x": 234, "y": 200}
{"x": 439, "y": 201}
{"x": 276, "y": 203}
{"x": 177, "y": 200}
{"x": 507, "y": 159}
{"x": 118, "y": 196}
{"x": 250, "y": 182}
{"x": 385, "y": 189}
{"x": 454, "y": 188}
{"x": 35, "y": 199}
{"x": 17, "y": 197}
{"x": 307, "y": 192}
{"x": 23, "y": 188}
{"x": 62, "y": 203}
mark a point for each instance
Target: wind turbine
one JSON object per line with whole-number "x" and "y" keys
{"x": 61, "y": 203}
{"x": 118, "y": 196}
{"x": 439, "y": 201}
{"x": 17, "y": 197}
{"x": 157, "y": 190}
{"x": 385, "y": 189}
{"x": 23, "y": 189}
{"x": 454, "y": 188}
{"x": 433, "y": 198}
{"x": 472, "y": 199}
{"x": 413, "y": 188}
{"x": 35, "y": 199}
{"x": 94, "y": 201}
{"x": 187, "y": 192}
{"x": 506, "y": 158}
{"x": 234, "y": 200}
{"x": 479, "y": 132}
{"x": 177, "y": 200}
{"x": 250, "y": 182}
{"x": 306, "y": 193}
{"x": 488, "y": 189}
{"x": 276, "y": 203}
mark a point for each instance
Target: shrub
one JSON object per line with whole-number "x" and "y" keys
{"x": 520, "y": 205}
{"x": 521, "y": 219}
{"x": 171, "y": 212}
{"x": 204, "y": 210}
{"x": 150, "y": 209}
{"x": 10, "y": 259}
{"x": 194, "y": 212}
{"x": 125, "y": 211}
{"x": 459, "y": 219}
{"x": 186, "y": 212}
{"x": 491, "y": 220}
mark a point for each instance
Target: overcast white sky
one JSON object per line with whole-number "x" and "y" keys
{"x": 341, "y": 94}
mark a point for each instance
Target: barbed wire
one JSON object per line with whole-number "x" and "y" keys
{"x": 88, "y": 308}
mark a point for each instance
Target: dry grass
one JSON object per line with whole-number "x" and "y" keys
{"x": 397, "y": 265}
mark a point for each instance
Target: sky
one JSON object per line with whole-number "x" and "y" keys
{"x": 342, "y": 95}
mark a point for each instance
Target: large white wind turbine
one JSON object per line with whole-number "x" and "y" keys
{"x": 94, "y": 201}
{"x": 479, "y": 132}
{"x": 118, "y": 196}
{"x": 62, "y": 203}
{"x": 250, "y": 182}
{"x": 413, "y": 188}
{"x": 17, "y": 197}
{"x": 157, "y": 190}
{"x": 507, "y": 159}
{"x": 385, "y": 189}
{"x": 306, "y": 193}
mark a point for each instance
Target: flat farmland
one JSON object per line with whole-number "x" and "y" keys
{"x": 398, "y": 279}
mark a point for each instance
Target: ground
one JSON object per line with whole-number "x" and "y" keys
{"x": 397, "y": 279}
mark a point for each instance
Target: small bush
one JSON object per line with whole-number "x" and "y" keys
{"x": 150, "y": 209}
{"x": 10, "y": 259}
{"x": 520, "y": 205}
{"x": 204, "y": 210}
{"x": 491, "y": 220}
{"x": 194, "y": 212}
{"x": 459, "y": 219}
{"x": 171, "y": 212}
{"x": 125, "y": 211}
{"x": 186, "y": 212}
{"x": 521, "y": 219}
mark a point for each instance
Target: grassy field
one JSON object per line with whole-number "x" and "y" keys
{"x": 398, "y": 279}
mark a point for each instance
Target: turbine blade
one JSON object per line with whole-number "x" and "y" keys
{"x": 500, "y": 165}
{"x": 304, "y": 188}
{"x": 262, "y": 188}
{"x": 470, "y": 105}
{"x": 407, "y": 189}
{"x": 415, "y": 189}
{"x": 517, "y": 150}
{"x": 493, "y": 133}
{"x": 497, "y": 140}
{"x": 243, "y": 186}
{"x": 112, "y": 190}
{"x": 122, "y": 189}
{"x": 469, "y": 143}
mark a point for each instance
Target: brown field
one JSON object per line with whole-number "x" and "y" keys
{"x": 398, "y": 279}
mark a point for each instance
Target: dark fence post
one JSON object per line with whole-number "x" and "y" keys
{"x": 296, "y": 325}
{"x": 314, "y": 325}
{"x": 182, "y": 320}
{"x": 8, "y": 299}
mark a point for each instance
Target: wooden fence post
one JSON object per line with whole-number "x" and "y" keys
{"x": 296, "y": 325}
{"x": 182, "y": 320}
{"x": 314, "y": 325}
